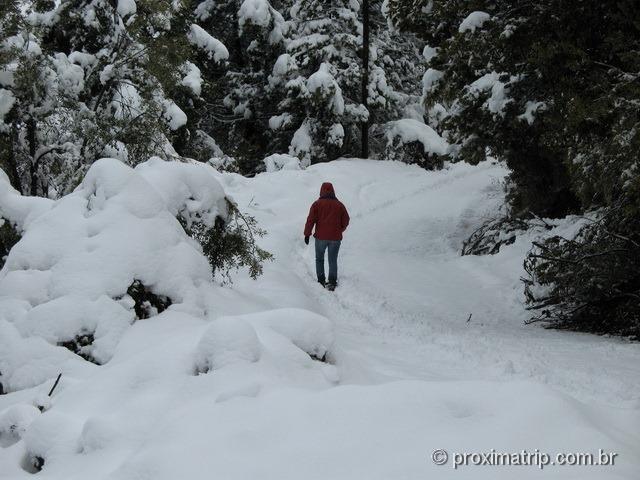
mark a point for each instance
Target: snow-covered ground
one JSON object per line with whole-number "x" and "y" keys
{"x": 410, "y": 372}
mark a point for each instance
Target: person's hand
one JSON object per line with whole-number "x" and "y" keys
{"x": 306, "y": 240}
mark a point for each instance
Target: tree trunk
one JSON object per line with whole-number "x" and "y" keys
{"x": 33, "y": 171}
{"x": 365, "y": 76}
{"x": 8, "y": 159}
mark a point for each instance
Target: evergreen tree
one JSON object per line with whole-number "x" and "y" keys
{"x": 552, "y": 88}
{"x": 324, "y": 88}
{"x": 80, "y": 77}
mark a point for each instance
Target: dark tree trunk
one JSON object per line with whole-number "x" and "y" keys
{"x": 365, "y": 76}
{"x": 8, "y": 160}
{"x": 33, "y": 171}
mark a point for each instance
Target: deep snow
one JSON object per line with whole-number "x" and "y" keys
{"x": 410, "y": 372}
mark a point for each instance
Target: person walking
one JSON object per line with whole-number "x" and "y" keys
{"x": 330, "y": 218}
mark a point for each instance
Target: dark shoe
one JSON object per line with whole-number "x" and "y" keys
{"x": 331, "y": 287}
{"x": 322, "y": 282}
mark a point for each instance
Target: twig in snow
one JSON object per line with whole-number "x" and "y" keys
{"x": 55, "y": 384}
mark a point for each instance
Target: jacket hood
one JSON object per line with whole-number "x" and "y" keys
{"x": 326, "y": 190}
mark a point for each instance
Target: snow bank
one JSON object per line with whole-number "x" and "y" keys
{"x": 66, "y": 281}
{"x": 214, "y": 48}
{"x": 14, "y": 421}
{"x": 19, "y": 210}
{"x": 310, "y": 332}
{"x": 408, "y": 130}
{"x": 474, "y": 21}
{"x": 189, "y": 190}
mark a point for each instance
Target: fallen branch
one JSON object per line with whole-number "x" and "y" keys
{"x": 55, "y": 385}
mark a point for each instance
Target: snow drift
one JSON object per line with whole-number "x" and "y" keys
{"x": 72, "y": 278}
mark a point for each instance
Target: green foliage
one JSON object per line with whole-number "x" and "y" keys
{"x": 591, "y": 282}
{"x": 413, "y": 152}
{"x": 146, "y": 302}
{"x": 80, "y": 345}
{"x": 230, "y": 244}
{"x": 563, "y": 110}
{"x": 9, "y": 236}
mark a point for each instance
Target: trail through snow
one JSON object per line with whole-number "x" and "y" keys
{"x": 405, "y": 296}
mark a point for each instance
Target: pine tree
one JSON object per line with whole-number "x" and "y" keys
{"x": 324, "y": 88}
{"x": 550, "y": 87}
{"x": 80, "y": 77}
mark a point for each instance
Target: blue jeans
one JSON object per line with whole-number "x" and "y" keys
{"x": 333, "y": 246}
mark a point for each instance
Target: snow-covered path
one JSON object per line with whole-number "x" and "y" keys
{"x": 405, "y": 296}
{"x": 411, "y": 372}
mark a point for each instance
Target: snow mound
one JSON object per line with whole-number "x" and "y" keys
{"x": 279, "y": 161}
{"x": 68, "y": 281}
{"x": 14, "y": 422}
{"x": 18, "y": 210}
{"x": 282, "y": 333}
{"x": 408, "y": 130}
{"x": 310, "y": 332}
{"x": 228, "y": 341}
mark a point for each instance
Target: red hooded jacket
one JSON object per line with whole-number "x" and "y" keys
{"x": 328, "y": 214}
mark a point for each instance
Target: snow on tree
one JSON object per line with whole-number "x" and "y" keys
{"x": 239, "y": 105}
{"x": 82, "y": 79}
{"x": 324, "y": 84}
{"x": 412, "y": 141}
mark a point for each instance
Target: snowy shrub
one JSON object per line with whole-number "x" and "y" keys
{"x": 224, "y": 164}
{"x": 113, "y": 251}
{"x": 411, "y": 141}
{"x": 146, "y": 303}
{"x": 230, "y": 244}
{"x": 590, "y": 282}
{"x": 227, "y": 236}
{"x": 492, "y": 235}
{"x": 80, "y": 344}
